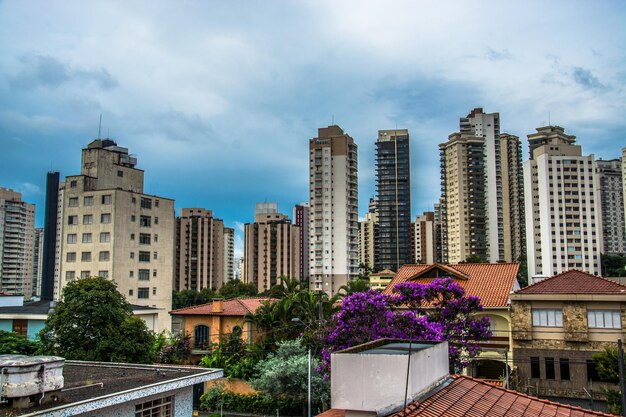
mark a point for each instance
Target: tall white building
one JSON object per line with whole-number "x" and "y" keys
{"x": 612, "y": 202}
{"x": 333, "y": 217}
{"x": 562, "y": 206}
{"x": 17, "y": 240}
{"x": 110, "y": 228}
{"x": 229, "y": 254}
{"x": 424, "y": 238}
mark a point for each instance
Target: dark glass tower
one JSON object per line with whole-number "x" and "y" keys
{"x": 393, "y": 186}
{"x": 50, "y": 236}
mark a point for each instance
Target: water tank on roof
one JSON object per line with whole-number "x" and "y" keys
{"x": 26, "y": 381}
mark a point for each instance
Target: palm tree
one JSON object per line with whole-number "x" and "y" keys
{"x": 355, "y": 285}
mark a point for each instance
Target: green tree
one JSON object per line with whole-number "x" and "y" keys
{"x": 15, "y": 344}
{"x": 474, "y": 259}
{"x": 188, "y": 298}
{"x": 94, "y": 322}
{"x": 354, "y": 285}
{"x": 614, "y": 265}
{"x": 522, "y": 273}
{"x": 287, "y": 287}
{"x": 236, "y": 288}
{"x": 608, "y": 371}
{"x": 284, "y": 374}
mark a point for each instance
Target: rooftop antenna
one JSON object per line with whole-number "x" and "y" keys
{"x": 99, "y": 125}
{"x": 549, "y": 123}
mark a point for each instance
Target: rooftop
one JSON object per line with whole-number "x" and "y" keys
{"x": 233, "y": 307}
{"x": 574, "y": 282}
{"x": 43, "y": 307}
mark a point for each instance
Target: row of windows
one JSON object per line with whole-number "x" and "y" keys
{"x": 550, "y": 365}
{"x": 105, "y": 237}
{"x": 142, "y": 292}
{"x": 105, "y": 218}
{"x": 71, "y": 275}
{"x": 106, "y": 199}
{"x": 596, "y": 319}
{"x": 103, "y": 256}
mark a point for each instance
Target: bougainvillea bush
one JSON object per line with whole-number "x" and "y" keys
{"x": 438, "y": 311}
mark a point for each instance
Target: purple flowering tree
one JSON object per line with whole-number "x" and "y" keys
{"x": 438, "y": 311}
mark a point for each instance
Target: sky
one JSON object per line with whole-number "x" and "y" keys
{"x": 218, "y": 99}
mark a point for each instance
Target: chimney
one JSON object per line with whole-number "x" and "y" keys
{"x": 216, "y": 306}
{"x": 370, "y": 379}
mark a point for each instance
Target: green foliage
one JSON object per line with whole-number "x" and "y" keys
{"x": 285, "y": 374}
{"x": 232, "y": 355}
{"x": 174, "y": 349}
{"x": 474, "y": 259}
{"x": 217, "y": 397}
{"x": 614, "y": 265}
{"x": 354, "y": 286}
{"x": 94, "y": 322}
{"x": 608, "y": 371}
{"x": 522, "y": 273}
{"x": 188, "y": 298}
{"x": 15, "y": 344}
{"x": 236, "y": 288}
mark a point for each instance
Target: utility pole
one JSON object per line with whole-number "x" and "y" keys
{"x": 506, "y": 368}
{"x": 620, "y": 363}
{"x": 309, "y": 387}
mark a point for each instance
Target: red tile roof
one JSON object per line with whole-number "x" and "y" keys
{"x": 574, "y": 282}
{"x": 233, "y": 307}
{"x": 492, "y": 283}
{"x": 466, "y": 396}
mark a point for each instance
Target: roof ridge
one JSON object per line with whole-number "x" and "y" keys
{"x": 568, "y": 272}
{"x": 542, "y": 400}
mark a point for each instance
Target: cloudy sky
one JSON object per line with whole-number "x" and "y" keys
{"x": 219, "y": 99}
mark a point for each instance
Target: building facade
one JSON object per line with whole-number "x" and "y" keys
{"x": 37, "y": 262}
{"x": 301, "y": 219}
{"x": 562, "y": 206}
{"x": 512, "y": 197}
{"x": 333, "y": 224}
{"x": 110, "y": 228}
{"x": 200, "y": 250}
{"x": 424, "y": 238}
{"x": 393, "y": 187}
{"x": 612, "y": 202}
{"x": 17, "y": 243}
{"x": 229, "y": 254}
{"x": 271, "y": 248}
{"x": 368, "y": 241}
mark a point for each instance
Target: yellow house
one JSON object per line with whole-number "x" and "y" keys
{"x": 380, "y": 280}
{"x": 492, "y": 284}
{"x": 207, "y": 322}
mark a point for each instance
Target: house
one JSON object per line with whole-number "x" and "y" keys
{"x": 492, "y": 284}
{"x": 28, "y": 319}
{"x": 395, "y": 378}
{"x": 380, "y": 280}
{"x": 52, "y": 386}
{"x": 207, "y": 322}
{"x": 558, "y": 324}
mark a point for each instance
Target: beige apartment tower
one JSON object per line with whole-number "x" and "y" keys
{"x": 563, "y": 212}
{"x": 229, "y": 254}
{"x": 17, "y": 243}
{"x": 199, "y": 250}
{"x": 110, "y": 228}
{"x": 424, "y": 238}
{"x": 612, "y": 202}
{"x": 271, "y": 248}
{"x": 333, "y": 221}
{"x": 368, "y": 231}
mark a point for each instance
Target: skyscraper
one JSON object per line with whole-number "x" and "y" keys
{"x": 562, "y": 206}
{"x": 229, "y": 254}
{"x": 51, "y": 249}
{"x": 612, "y": 202}
{"x": 301, "y": 219}
{"x": 333, "y": 224}
{"x": 512, "y": 197}
{"x": 393, "y": 186}
{"x": 424, "y": 238}
{"x": 110, "y": 228}
{"x": 368, "y": 240}
{"x": 37, "y": 262}
{"x": 199, "y": 250}
{"x": 17, "y": 240}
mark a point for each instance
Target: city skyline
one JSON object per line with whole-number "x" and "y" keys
{"x": 171, "y": 82}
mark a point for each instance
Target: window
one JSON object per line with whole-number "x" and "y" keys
{"x": 87, "y": 219}
{"x": 145, "y": 221}
{"x": 592, "y": 372}
{"x": 156, "y": 254}
{"x": 549, "y": 368}
{"x": 88, "y": 201}
{"x": 72, "y": 219}
{"x": 153, "y": 290}
{"x": 70, "y": 257}
{"x": 160, "y": 407}
{"x": 73, "y": 202}
{"x": 20, "y": 326}
{"x": 104, "y": 256}
{"x": 130, "y": 293}
{"x": 132, "y": 217}
{"x": 534, "y": 367}
{"x": 106, "y": 199}
{"x": 120, "y": 173}
{"x": 70, "y": 275}
{"x": 156, "y": 203}
{"x": 156, "y": 220}
{"x": 146, "y": 203}
{"x": 132, "y": 236}
{"x": 105, "y": 237}
{"x": 156, "y": 238}
{"x": 132, "y": 255}
{"x": 144, "y": 238}
{"x": 85, "y": 256}
{"x": 103, "y": 274}
{"x": 604, "y": 319}
{"x": 87, "y": 238}
{"x": 131, "y": 274}
{"x": 71, "y": 238}
{"x": 143, "y": 292}
{"x": 144, "y": 256}
{"x": 73, "y": 184}
{"x": 85, "y": 274}
{"x": 144, "y": 275}
{"x": 201, "y": 337}
{"x": 547, "y": 318}
{"x": 564, "y": 365}
{"x": 105, "y": 218}
{"x": 154, "y": 273}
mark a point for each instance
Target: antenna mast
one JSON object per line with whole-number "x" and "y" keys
{"x": 99, "y": 125}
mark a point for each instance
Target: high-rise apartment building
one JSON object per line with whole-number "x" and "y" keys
{"x": 562, "y": 206}
{"x": 441, "y": 240}
{"x": 476, "y": 202}
{"x": 301, "y": 219}
{"x": 229, "y": 254}
{"x": 271, "y": 248}
{"x": 17, "y": 240}
{"x": 612, "y": 202}
{"x": 37, "y": 262}
{"x": 393, "y": 187}
{"x": 51, "y": 249}
{"x": 368, "y": 241}
{"x": 424, "y": 238}
{"x": 110, "y": 228}
{"x": 199, "y": 250}
{"x": 333, "y": 225}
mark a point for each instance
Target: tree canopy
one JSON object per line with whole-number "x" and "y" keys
{"x": 94, "y": 322}
{"x": 236, "y": 288}
{"x": 14, "y": 344}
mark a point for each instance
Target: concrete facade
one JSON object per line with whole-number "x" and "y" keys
{"x": 301, "y": 218}
{"x": 612, "y": 202}
{"x": 368, "y": 237}
{"x": 424, "y": 238}
{"x": 229, "y": 254}
{"x": 37, "y": 262}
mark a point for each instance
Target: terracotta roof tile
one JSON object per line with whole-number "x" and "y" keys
{"x": 492, "y": 283}
{"x": 233, "y": 307}
{"x": 574, "y": 282}
{"x": 333, "y": 412}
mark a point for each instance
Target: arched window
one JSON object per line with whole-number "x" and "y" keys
{"x": 201, "y": 337}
